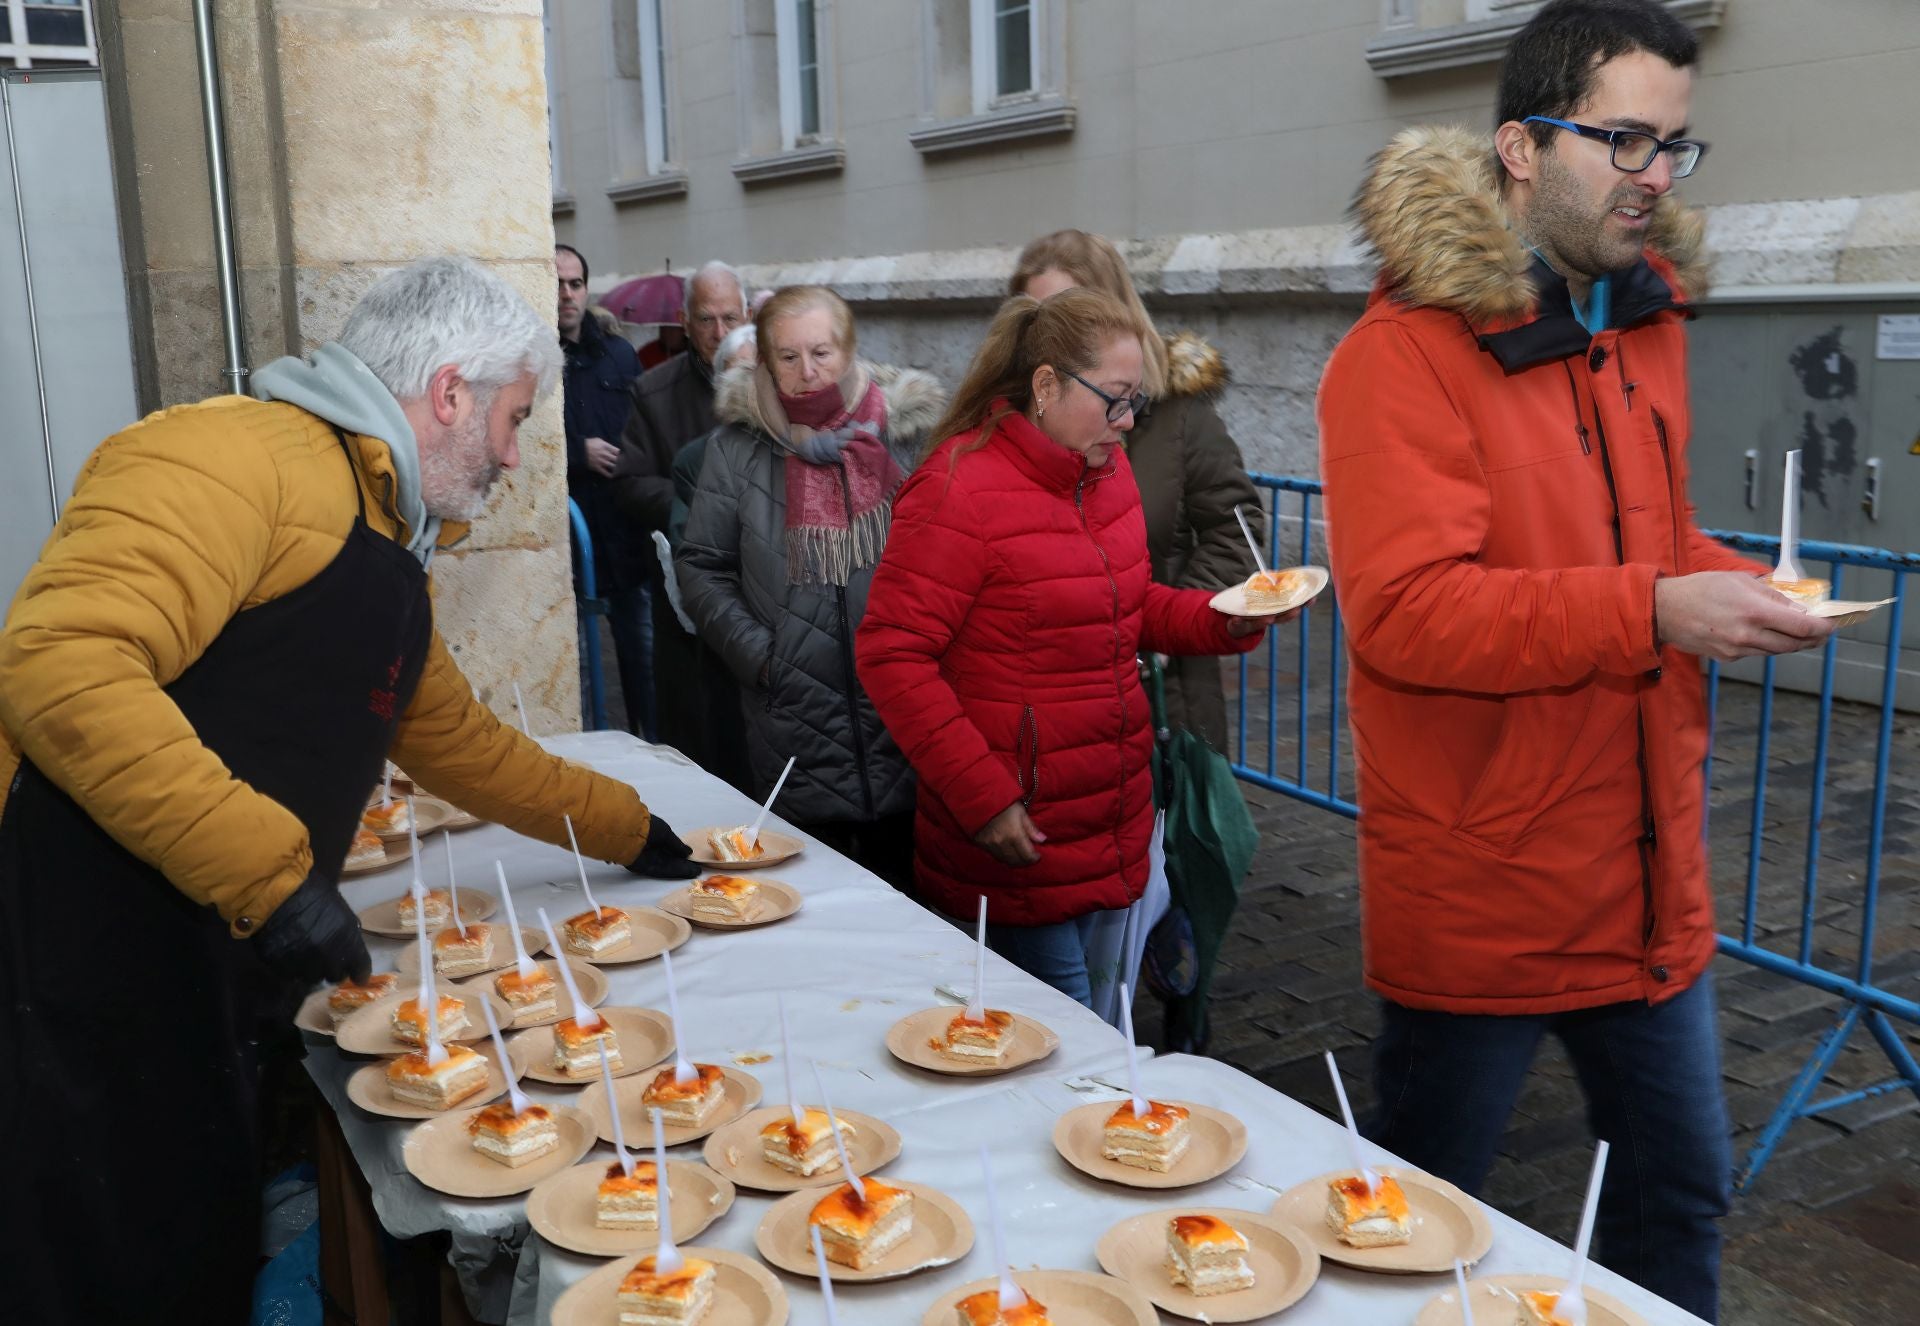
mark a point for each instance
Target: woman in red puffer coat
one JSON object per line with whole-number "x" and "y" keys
{"x": 1002, "y": 629}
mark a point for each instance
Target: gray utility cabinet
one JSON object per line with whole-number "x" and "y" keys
{"x": 1823, "y": 375}
{"x": 66, "y": 360}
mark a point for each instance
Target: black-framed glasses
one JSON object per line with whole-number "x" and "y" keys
{"x": 1633, "y": 151}
{"x": 1116, "y": 405}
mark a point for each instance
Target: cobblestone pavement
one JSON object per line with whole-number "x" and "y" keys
{"x": 1830, "y": 1231}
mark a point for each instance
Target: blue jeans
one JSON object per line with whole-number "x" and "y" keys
{"x": 1056, "y": 953}
{"x": 1447, "y": 1082}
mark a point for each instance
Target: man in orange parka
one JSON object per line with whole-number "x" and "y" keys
{"x": 1504, "y": 435}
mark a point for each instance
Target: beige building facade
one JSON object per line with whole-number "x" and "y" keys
{"x": 903, "y": 151}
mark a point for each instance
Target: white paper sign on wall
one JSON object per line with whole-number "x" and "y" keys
{"x": 1899, "y": 336}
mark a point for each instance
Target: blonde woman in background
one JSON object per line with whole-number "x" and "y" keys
{"x": 1190, "y": 473}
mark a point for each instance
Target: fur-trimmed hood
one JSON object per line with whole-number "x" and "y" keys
{"x": 1430, "y": 208}
{"x": 915, "y": 400}
{"x": 1194, "y": 367}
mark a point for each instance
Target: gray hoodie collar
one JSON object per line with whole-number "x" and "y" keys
{"x": 340, "y": 389}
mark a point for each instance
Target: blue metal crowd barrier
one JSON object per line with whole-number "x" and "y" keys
{"x": 590, "y": 607}
{"x": 1865, "y": 1001}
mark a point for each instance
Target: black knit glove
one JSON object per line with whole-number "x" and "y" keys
{"x": 314, "y": 936}
{"x": 664, "y": 856}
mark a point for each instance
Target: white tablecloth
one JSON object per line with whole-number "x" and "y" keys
{"x": 856, "y": 958}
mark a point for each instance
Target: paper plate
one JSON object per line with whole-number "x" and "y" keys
{"x": 653, "y": 932}
{"x": 912, "y": 1040}
{"x": 779, "y": 847}
{"x": 440, "y": 1154}
{"x": 397, "y": 850}
{"x": 1219, "y": 1140}
{"x": 450, "y": 816}
{"x": 407, "y": 960}
{"x": 941, "y": 1235}
{"x": 561, "y": 1208}
{"x": 734, "y": 1152}
{"x": 742, "y": 1094}
{"x": 1495, "y": 1299}
{"x": 1284, "y": 1264}
{"x": 1847, "y": 612}
{"x": 368, "y": 1089}
{"x": 745, "y": 1293}
{"x": 774, "y": 902}
{"x": 645, "y": 1038}
{"x": 314, "y": 1015}
{"x": 370, "y": 1031}
{"x": 383, "y": 918}
{"x": 1071, "y": 1298}
{"x": 1446, "y": 1224}
{"x": 1233, "y": 600}
{"x": 591, "y": 980}
{"x": 429, "y": 816}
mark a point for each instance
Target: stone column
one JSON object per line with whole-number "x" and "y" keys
{"x": 365, "y": 135}
{"x": 421, "y": 128}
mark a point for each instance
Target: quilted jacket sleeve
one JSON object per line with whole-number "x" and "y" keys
{"x": 1407, "y": 511}
{"x": 707, "y": 562}
{"x": 161, "y": 544}
{"x": 455, "y": 748}
{"x": 1181, "y": 621}
{"x": 933, "y": 569}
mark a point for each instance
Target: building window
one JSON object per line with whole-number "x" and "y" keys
{"x": 653, "y": 84}
{"x": 991, "y": 71}
{"x": 784, "y": 86}
{"x": 1003, "y": 49}
{"x": 640, "y": 99}
{"x": 796, "y": 27}
{"x": 46, "y": 34}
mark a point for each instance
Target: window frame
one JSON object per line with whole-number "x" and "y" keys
{"x": 786, "y": 28}
{"x": 984, "y": 57}
{"x": 655, "y": 122}
{"x": 20, "y": 53}
{"x": 961, "y": 108}
{"x": 773, "y": 142}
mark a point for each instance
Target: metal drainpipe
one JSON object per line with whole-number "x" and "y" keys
{"x": 226, "y": 266}
{"x": 26, "y": 275}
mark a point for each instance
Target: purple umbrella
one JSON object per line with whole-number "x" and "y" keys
{"x": 655, "y": 300}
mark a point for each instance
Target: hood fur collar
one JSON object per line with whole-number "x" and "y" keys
{"x": 1194, "y": 368}
{"x": 1430, "y": 208}
{"x": 915, "y": 400}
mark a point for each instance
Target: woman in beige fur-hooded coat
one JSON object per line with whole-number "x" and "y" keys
{"x": 1189, "y": 469}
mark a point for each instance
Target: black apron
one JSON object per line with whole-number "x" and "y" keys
{"x": 128, "y": 1080}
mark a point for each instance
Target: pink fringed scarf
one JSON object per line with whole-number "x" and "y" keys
{"x": 833, "y": 532}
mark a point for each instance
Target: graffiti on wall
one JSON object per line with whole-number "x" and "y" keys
{"x": 1830, "y": 379}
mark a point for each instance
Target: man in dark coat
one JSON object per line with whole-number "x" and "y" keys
{"x": 600, "y": 369}
{"x": 673, "y": 405}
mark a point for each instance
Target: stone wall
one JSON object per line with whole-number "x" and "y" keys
{"x": 1276, "y": 302}
{"x": 362, "y": 137}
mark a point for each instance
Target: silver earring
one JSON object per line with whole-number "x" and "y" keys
{"x": 1041, "y": 413}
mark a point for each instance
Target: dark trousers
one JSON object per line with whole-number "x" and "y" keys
{"x": 884, "y": 846}
{"x": 630, "y": 619}
{"x": 1447, "y": 1083}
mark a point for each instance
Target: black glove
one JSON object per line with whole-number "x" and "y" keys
{"x": 314, "y": 936}
{"x": 664, "y": 856}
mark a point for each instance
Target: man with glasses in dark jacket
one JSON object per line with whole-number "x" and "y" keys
{"x": 600, "y": 370}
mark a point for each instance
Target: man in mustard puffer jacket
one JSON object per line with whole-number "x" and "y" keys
{"x": 224, "y": 639}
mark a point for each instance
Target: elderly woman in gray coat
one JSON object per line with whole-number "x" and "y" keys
{"x": 786, "y": 526}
